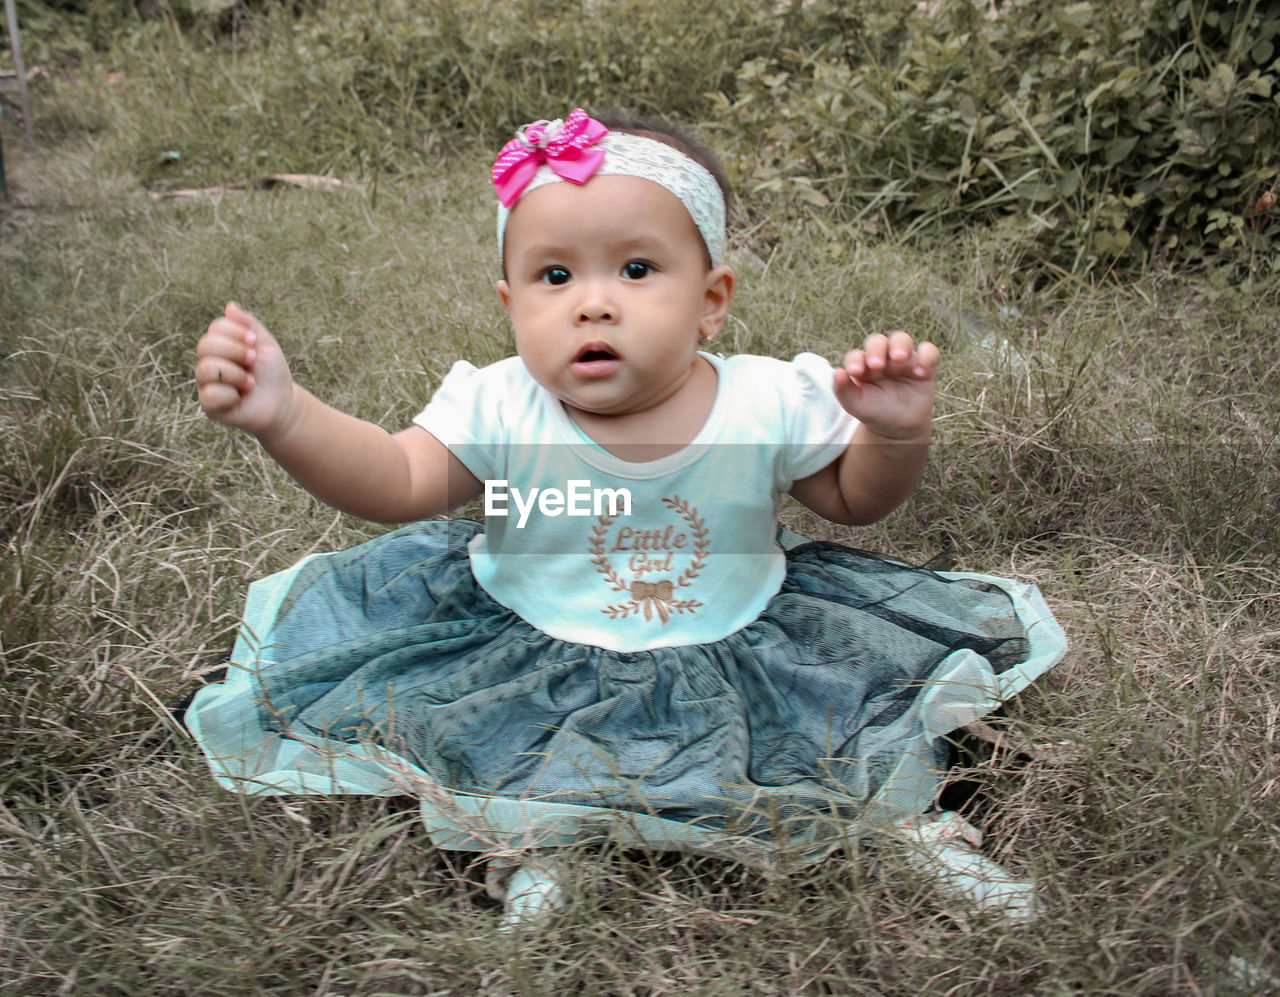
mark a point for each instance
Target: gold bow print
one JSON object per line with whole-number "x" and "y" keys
{"x": 653, "y": 595}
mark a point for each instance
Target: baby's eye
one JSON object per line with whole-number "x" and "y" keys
{"x": 636, "y": 270}
{"x": 555, "y": 276}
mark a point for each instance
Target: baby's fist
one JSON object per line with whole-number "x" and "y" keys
{"x": 242, "y": 377}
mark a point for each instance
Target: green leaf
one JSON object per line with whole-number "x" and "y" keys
{"x": 810, "y": 195}
{"x": 1259, "y": 86}
{"x": 1074, "y": 20}
{"x": 1097, "y": 92}
{"x": 1036, "y": 190}
{"x": 1121, "y": 149}
{"x": 1069, "y": 182}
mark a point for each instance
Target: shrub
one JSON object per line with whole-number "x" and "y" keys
{"x": 1084, "y": 135}
{"x": 1101, "y": 132}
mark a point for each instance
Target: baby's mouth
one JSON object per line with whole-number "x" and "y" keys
{"x": 596, "y": 351}
{"x": 595, "y": 360}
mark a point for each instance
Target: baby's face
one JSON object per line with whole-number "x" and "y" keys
{"x": 608, "y": 291}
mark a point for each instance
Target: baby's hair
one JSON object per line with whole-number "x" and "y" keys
{"x": 630, "y": 123}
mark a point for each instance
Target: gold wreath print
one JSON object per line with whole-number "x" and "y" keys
{"x": 653, "y": 598}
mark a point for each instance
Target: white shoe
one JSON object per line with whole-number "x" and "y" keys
{"x": 530, "y": 891}
{"x": 945, "y": 845}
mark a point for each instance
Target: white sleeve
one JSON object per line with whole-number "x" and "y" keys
{"x": 465, "y": 415}
{"x": 817, "y": 426}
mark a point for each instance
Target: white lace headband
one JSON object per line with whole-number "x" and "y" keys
{"x": 580, "y": 147}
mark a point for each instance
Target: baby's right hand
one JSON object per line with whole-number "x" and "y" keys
{"x": 242, "y": 377}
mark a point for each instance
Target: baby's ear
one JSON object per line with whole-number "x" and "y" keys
{"x": 718, "y": 297}
{"x": 504, "y": 294}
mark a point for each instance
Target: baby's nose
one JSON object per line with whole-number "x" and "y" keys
{"x": 595, "y": 313}
{"x": 596, "y": 305}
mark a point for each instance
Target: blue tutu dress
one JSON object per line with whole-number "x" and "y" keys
{"x": 385, "y": 669}
{"x": 823, "y": 696}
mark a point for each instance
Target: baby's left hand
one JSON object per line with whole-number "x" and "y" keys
{"x": 889, "y": 386}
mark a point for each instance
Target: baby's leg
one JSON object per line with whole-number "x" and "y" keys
{"x": 945, "y": 845}
{"x": 530, "y": 887}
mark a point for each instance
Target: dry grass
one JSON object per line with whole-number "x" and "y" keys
{"x": 1119, "y": 451}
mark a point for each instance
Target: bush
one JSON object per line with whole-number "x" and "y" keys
{"x": 1099, "y": 132}
{"x": 1084, "y": 136}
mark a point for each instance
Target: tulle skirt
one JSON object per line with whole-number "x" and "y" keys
{"x": 386, "y": 669}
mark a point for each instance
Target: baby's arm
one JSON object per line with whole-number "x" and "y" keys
{"x": 889, "y": 387}
{"x": 243, "y": 380}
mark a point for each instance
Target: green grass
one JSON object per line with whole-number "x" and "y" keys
{"x": 1120, "y": 451}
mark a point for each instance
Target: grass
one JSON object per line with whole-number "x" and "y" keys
{"x": 1113, "y": 442}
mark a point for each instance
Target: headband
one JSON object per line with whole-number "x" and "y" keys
{"x": 580, "y": 147}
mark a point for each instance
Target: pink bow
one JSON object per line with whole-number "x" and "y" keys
{"x": 562, "y": 145}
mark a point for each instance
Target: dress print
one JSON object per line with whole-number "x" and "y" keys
{"x": 651, "y": 557}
